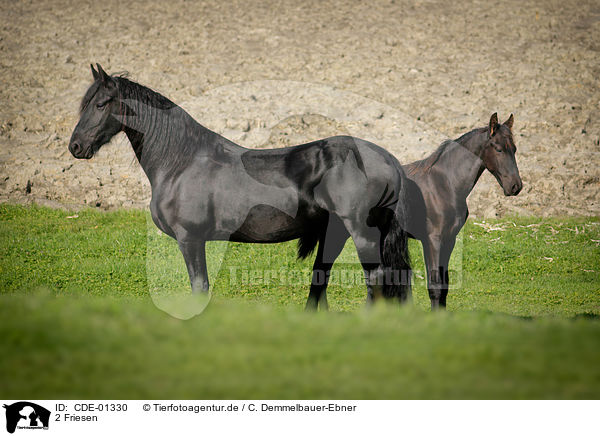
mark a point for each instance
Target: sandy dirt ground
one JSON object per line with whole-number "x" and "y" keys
{"x": 404, "y": 74}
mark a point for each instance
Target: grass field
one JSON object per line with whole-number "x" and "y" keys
{"x": 77, "y": 320}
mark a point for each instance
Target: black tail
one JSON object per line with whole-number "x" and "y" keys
{"x": 312, "y": 235}
{"x": 307, "y": 244}
{"x": 396, "y": 262}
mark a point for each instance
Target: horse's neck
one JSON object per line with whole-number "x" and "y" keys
{"x": 461, "y": 162}
{"x": 136, "y": 139}
{"x": 155, "y": 134}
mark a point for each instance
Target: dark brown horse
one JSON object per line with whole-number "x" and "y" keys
{"x": 439, "y": 185}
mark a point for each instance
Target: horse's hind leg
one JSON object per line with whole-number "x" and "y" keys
{"x": 367, "y": 242}
{"x": 331, "y": 245}
{"x": 445, "y": 253}
{"x": 195, "y": 260}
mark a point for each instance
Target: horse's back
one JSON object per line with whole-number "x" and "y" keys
{"x": 302, "y": 164}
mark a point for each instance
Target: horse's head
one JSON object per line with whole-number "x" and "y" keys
{"x": 499, "y": 155}
{"x": 99, "y": 120}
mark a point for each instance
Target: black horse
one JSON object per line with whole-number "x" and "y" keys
{"x": 205, "y": 187}
{"x": 438, "y": 188}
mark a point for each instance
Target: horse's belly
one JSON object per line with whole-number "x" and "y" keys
{"x": 267, "y": 224}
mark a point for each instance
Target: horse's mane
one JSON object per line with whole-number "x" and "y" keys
{"x": 425, "y": 165}
{"x": 179, "y": 143}
{"x": 130, "y": 90}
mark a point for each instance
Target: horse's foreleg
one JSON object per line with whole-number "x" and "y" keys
{"x": 195, "y": 260}
{"x": 330, "y": 247}
{"x": 437, "y": 256}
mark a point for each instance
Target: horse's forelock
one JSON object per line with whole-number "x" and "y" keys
{"x": 89, "y": 94}
{"x": 93, "y": 89}
{"x": 510, "y": 142}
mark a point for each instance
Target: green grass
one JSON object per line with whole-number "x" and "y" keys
{"x": 77, "y": 320}
{"x": 93, "y": 254}
{"x": 520, "y": 266}
{"x": 125, "y": 348}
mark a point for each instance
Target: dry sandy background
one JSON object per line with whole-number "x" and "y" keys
{"x": 403, "y": 74}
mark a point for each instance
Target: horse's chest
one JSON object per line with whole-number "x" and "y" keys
{"x": 160, "y": 219}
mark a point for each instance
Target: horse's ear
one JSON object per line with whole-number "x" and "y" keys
{"x": 493, "y": 123}
{"x": 94, "y": 73}
{"x": 509, "y": 123}
{"x": 104, "y": 78}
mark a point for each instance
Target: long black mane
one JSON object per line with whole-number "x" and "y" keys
{"x": 130, "y": 90}
{"x": 175, "y": 136}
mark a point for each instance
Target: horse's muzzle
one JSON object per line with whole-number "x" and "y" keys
{"x": 78, "y": 152}
{"x": 515, "y": 188}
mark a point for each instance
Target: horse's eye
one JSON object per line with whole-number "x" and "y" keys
{"x": 498, "y": 149}
{"x": 102, "y": 104}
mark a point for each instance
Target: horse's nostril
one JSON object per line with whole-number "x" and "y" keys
{"x": 516, "y": 188}
{"x": 75, "y": 148}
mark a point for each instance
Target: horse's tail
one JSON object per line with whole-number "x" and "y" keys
{"x": 307, "y": 244}
{"x": 396, "y": 259}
